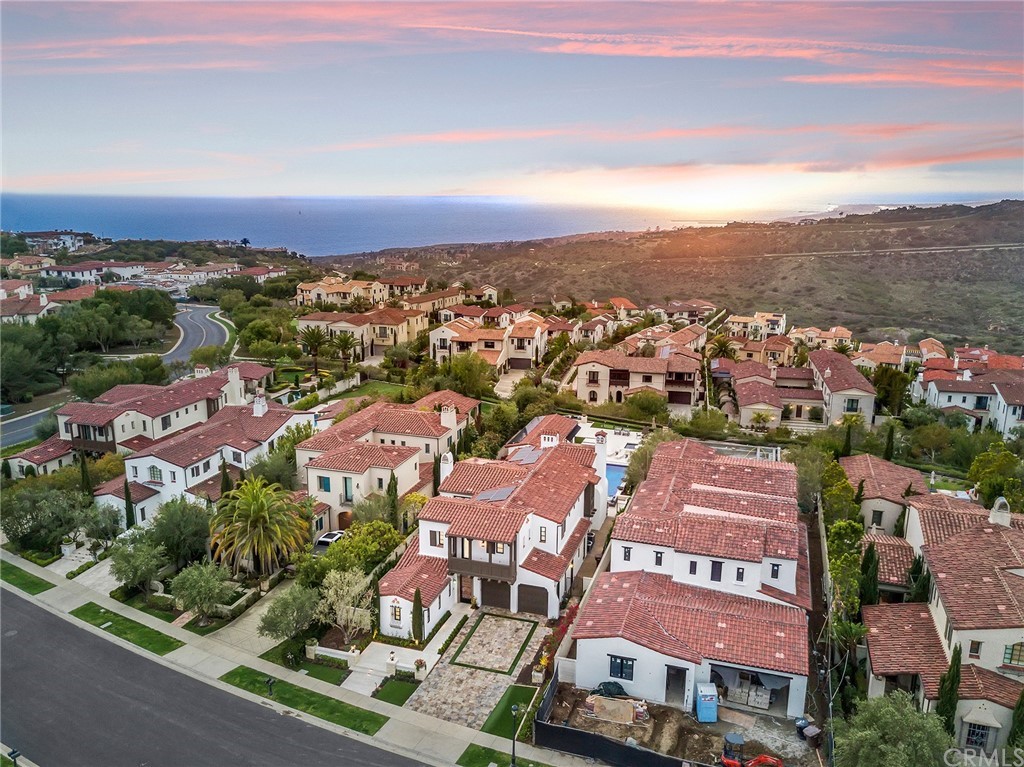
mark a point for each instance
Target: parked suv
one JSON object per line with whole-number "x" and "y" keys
{"x": 326, "y": 540}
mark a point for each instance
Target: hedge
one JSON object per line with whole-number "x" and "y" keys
{"x": 79, "y": 570}
{"x": 451, "y": 637}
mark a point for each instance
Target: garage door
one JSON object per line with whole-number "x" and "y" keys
{"x": 495, "y": 594}
{"x": 679, "y": 397}
{"x": 533, "y": 599}
{"x": 517, "y": 363}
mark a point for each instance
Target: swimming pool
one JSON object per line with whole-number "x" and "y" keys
{"x": 615, "y": 473}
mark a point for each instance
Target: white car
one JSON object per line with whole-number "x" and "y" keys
{"x": 326, "y": 540}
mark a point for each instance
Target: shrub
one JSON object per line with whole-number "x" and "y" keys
{"x": 79, "y": 570}
{"x": 305, "y": 403}
{"x": 451, "y": 637}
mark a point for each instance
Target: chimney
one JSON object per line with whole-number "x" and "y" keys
{"x": 202, "y": 371}
{"x": 43, "y": 299}
{"x": 548, "y": 440}
{"x": 448, "y": 417}
{"x": 601, "y": 449}
{"x": 1000, "y": 514}
{"x": 259, "y": 404}
{"x": 827, "y": 373}
{"x": 447, "y": 464}
{"x": 236, "y": 389}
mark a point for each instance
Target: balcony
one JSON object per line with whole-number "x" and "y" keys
{"x": 490, "y": 570}
{"x": 93, "y": 445}
{"x": 618, "y": 380}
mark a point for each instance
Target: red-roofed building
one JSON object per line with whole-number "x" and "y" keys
{"x": 845, "y": 391}
{"x": 48, "y": 456}
{"x": 885, "y": 490}
{"x": 608, "y": 376}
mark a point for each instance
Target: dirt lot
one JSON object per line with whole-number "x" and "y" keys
{"x": 669, "y": 729}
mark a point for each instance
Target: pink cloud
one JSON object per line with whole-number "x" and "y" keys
{"x": 915, "y": 77}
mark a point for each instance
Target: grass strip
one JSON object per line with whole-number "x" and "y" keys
{"x": 480, "y": 756}
{"x": 141, "y": 603}
{"x": 127, "y": 629}
{"x": 500, "y": 721}
{"x": 22, "y": 579}
{"x": 396, "y": 691}
{"x": 12, "y": 449}
{"x": 321, "y": 671}
{"x": 312, "y": 703}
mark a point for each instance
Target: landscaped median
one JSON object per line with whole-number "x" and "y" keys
{"x": 127, "y": 629}
{"x": 312, "y": 703}
{"x": 480, "y": 756}
{"x": 21, "y": 579}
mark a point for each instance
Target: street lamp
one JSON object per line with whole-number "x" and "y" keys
{"x": 515, "y": 721}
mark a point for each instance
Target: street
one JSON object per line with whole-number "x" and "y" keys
{"x": 198, "y": 328}
{"x": 72, "y": 698}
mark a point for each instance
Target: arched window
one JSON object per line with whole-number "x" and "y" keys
{"x": 593, "y": 396}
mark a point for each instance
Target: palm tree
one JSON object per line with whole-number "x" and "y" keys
{"x": 843, "y": 348}
{"x": 314, "y": 338}
{"x": 726, "y": 394}
{"x": 720, "y": 347}
{"x": 800, "y": 353}
{"x": 761, "y": 419}
{"x": 359, "y": 304}
{"x": 344, "y": 344}
{"x": 256, "y": 525}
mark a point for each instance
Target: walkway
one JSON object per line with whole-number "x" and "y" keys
{"x": 503, "y": 388}
{"x": 417, "y": 735}
{"x": 243, "y": 632}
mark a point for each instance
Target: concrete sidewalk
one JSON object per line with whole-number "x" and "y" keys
{"x": 414, "y": 734}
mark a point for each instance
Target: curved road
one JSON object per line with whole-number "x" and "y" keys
{"x": 73, "y": 698}
{"x": 198, "y": 328}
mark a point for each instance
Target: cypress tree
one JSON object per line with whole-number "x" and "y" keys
{"x": 889, "y": 443}
{"x": 393, "y": 499}
{"x": 417, "y": 617}
{"x": 1015, "y": 738}
{"x": 899, "y": 530}
{"x": 30, "y": 471}
{"x": 437, "y": 473}
{"x": 949, "y": 693}
{"x": 86, "y": 481}
{"x": 226, "y": 485}
{"x": 848, "y": 441}
{"x": 5, "y": 469}
{"x": 858, "y": 498}
{"x": 129, "y": 507}
{"x": 869, "y": 576}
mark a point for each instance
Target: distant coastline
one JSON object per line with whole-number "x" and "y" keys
{"x": 327, "y": 226}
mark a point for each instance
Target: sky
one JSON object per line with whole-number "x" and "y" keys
{"x": 702, "y": 108}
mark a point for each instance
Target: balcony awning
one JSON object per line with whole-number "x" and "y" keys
{"x": 981, "y": 715}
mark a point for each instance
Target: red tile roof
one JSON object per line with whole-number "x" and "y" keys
{"x": 474, "y": 519}
{"x": 115, "y": 487}
{"x": 789, "y": 393}
{"x": 979, "y": 683}
{"x": 1011, "y": 393}
{"x": 71, "y": 295}
{"x": 48, "y": 450}
{"x": 750, "y": 369}
{"x": 694, "y": 624}
{"x": 299, "y": 496}
{"x": 750, "y": 393}
{"x": 895, "y": 557}
{"x": 434, "y": 400}
{"x": 552, "y": 424}
{"x": 357, "y": 457}
{"x": 902, "y": 640}
{"x": 210, "y": 488}
{"x": 620, "y": 361}
{"x": 622, "y": 303}
{"x": 943, "y": 516}
{"x": 383, "y": 417}
{"x": 475, "y": 475}
{"x": 882, "y": 479}
{"x": 837, "y": 372}
{"x": 553, "y": 566}
{"x": 973, "y": 572}
{"x": 16, "y": 307}
{"x": 461, "y": 310}
{"x": 416, "y": 571}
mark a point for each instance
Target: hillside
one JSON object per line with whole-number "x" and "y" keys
{"x": 908, "y": 271}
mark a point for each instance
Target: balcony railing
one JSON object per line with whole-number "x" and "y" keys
{"x": 94, "y": 445}
{"x": 488, "y": 570}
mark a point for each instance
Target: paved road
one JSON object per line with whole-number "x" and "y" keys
{"x": 198, "y": 328}
{"x": 72, "y": 698}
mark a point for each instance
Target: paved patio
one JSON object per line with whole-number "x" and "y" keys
{"x": 507, "y": 382}
{"x": 465, "y": 695}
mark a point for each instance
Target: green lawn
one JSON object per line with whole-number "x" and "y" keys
{"x": 12, "y": 449}
{"x": 396, "y": 691}
{"x": 370, "y": 388}
{"x": 22, "y": 579}
{"x": 312, "y": 703}
{"x": 138, "y": 601}
{"x": 479, "y": 756}
{"x": 500, "y": 721}
{"x": 321, "y": 671}
{"x": 126, "y": 628}
{"x": 5, "y": 762}
{"x": 213, "y": 625}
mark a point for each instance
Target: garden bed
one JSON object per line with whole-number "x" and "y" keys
{"x": 325, "y": 669}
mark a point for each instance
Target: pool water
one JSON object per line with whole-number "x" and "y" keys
{"x": 615, "y": 473}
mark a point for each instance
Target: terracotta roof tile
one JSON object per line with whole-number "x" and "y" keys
{"x": 357, "y": 457}
{"x": 115, "y": 487}
{"x": 882, "y": 479}
{"x": 475, "y": 475}
{"x": 750, "y": 393}
{"x": 895, "y": 557}
{"x": 902, "y": 640}
{"x": 416, "y": 571}
{"x": 620, "y": 361}
{"x": 553, "y": 566}
{"x": 48, "y": 450}
{"x": 979, "y": 683}
{"x": 841, "y": 374}
{"x": 942, "y": 516}
{"x": 210, "y": 488}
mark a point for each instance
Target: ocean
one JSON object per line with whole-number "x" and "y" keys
{"x": 319, "y": 226}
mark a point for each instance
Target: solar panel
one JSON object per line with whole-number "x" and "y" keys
{"x": 525, "y": 455}
{"x": 497, "y": 494}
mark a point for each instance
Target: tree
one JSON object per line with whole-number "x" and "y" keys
{"x": 290, "y": 614}
{"x": 136, "y": 330}
{"x": 843, "y": 348}
{"x": 129, "y": 506}
{"x": 344, "y": 344}
{"x": 417, "y": 617}
{"x": 890, "y": 388}
{"x": 256, "y": 526}
{"x": 761, "y": 420}
{"x": 363, "y": 547}
{"x": 371, "y": 508}
{"x": 919, "y": 580}
{"x": 103, "y": 523}
{"x": 949, "y": 693}
{"x": 889, "y": 731}
{"x": 47, "y": 426}
{"x": 810, "y": 462}
{"x": 844, "y": 565}
{"x": 931, "y": 438}
{"x": 848, "y": 441}
{"x": 275, "y": 468}
{"x": 393, "y": 499}
{"x": 720, "y": 347}
{"x": 640, "y": 460}
{"x": 211, "y": 356}
{"x": 345, "y": 603}
{"x": 292, "y": 436}
{"x": 136, "y": 561}
{"x": 1015, "y": 737}
{"x": 226, "y": 483}
{"x": 200, "y": 587}
{"x": 436, "y": 474}
{"x": 996, "y": 462}
{"x": 183, "y": 529}
{"x": 314, "y": 338}
{"x": 889, "y": 442}
{"x": 93, "y": 381}
{"x": 83, "y": 466}
{"x": 869, "y": 576}
{"x": 5, "y": 469}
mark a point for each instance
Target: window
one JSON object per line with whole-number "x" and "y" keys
{"x": 499, "y": 548}
{"x": 382, "y": 332}
{"x": 396, "y": 615}
{"x": 739, "y": 575}
{"x": 380, "y": 483}
{"x": 593, "y": 396}
{"x": 67, "y": 427}
{"x": 852, "y": 405}
{"x": 592, "y": 378}
{"x": 975, "y": 650}
{"x": 627, "y": 552}
{"x": 206, "y": 466}
{"x": 442, "y": 343}
{"x": 1013, "y": 655}
{"x": 135, "y": 471}
{"x": 426, "y": 448}
{"x": 775, "y": 570}
{"x": 320, "y": 523}
{"x": 436, "y": 538}
{"x": 488, "y": 344}
{"x": 194, "y": 471}
{"x": 646, "y": 379}
{"x": 165, "y": 422}
{"x": 949, "y": 632}
{"x": 977, "y": 736}
{"x": 876, "y": 518}
{"x": 620, "y": 668}
{"x": 155, "y": 474}
{"x": 142, "y": 513}
{"x": 174, "y": 476}
{"x": 693, "y": 567}
{"x": 716, "y": 571}
{"x": 403, "y": 443}
{"x": 236, "y": 456}
{"x": 323, "y": 484}
{"x": 543, "y": 534}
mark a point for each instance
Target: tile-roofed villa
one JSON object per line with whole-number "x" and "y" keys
{"x": 885, "y": 490}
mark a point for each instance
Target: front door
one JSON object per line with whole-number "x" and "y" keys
{"x": 799, "y": 411}
{"x": 465, "y": 589}
{"x": 675, "y": 686}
